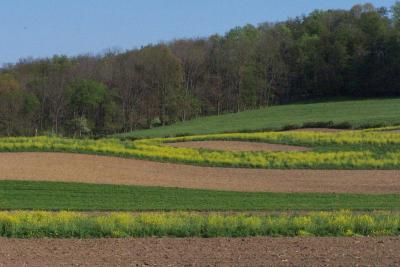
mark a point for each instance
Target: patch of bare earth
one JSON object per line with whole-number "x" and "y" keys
{"x": 258, "y": 251}
{"x": 237, "y": 146}
{"x": 113, "y": 170}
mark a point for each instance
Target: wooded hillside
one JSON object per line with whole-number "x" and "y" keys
{"x": 334, "y": 53}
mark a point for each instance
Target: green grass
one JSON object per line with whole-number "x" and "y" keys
{"x": 358, "y": 113}
{"x": 26, "y": 195}
{"x": 67, "y": 225}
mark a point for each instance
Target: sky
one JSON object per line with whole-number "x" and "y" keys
{"x": 42, "y": 28}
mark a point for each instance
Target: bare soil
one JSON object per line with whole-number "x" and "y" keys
{"x": 258, "y": 251}
{"x": 237, "y": 146}
{"x": 113, "y": 170}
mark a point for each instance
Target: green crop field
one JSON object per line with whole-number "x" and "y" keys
{"x": 17, "y": 195}
{"x": 356, "y": 113}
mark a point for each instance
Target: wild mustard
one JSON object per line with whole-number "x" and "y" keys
{"x": 336, "y": 150}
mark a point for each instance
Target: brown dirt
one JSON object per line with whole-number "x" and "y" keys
{"x": 259, "y": 251}
{"x": 113, "y": 170}
{"x": 237, "y": 146}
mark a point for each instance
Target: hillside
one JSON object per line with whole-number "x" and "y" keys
{"x": 357, "y": 113}
{"x": 317, "y": 56}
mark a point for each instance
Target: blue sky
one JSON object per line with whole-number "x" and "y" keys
{"x": 41, "y": 28}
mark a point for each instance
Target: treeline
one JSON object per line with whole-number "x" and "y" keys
{"x": 334, "y": 53}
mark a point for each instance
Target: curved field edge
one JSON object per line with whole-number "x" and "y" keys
{"x": 94, "y": 169}
{"x": 340, "y": 150}
{"x": 352, "y": 113}
{"x": 22, "y": 224}
{"x": 27, "y": 195}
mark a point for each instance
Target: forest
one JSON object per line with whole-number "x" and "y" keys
{"x": 325, "y": 54}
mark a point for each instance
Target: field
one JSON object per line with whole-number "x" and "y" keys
{"x": 350, "y": 113}
{"x": 94, "y": 169}
{"x": 361, "y": 173}
{"x": 252, "y": 251}
{"x": 19, "y": 195}
{"x": 69, "y": 224}
{"x": 327, "y": 150}
{"x": 312, "y": 184}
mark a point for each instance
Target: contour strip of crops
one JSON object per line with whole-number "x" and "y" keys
{"x": 38, "y": 224}
{"x": 341, "y": 150}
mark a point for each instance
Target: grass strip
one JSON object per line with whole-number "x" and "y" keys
{"x": 355, "y": 113}
{"x": 24, "y": 224}
{"x": 28, "y": 195}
